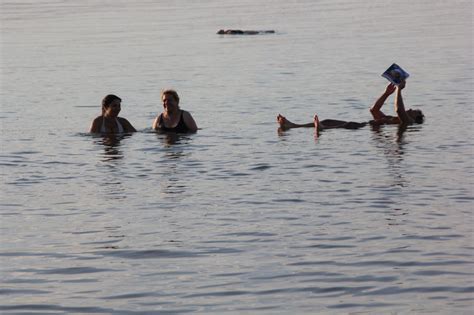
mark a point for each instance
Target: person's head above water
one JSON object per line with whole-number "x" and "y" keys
{"x": 416, "y": 115}
{"x": 111, "y": 105}
{"x": 170, "y": 99}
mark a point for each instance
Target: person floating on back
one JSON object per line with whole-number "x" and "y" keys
{"x": 173, "y": 119}
{"x": 109, "y": 122}
{"x": 244, "y": 32}
{"x": 404, "y": 117}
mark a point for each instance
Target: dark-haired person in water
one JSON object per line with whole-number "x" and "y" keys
{"x": 173, "y": 118}
{"x": 109, "y": 122}
{"x": 244, "y": 32}
{"x": 404, "y": 117}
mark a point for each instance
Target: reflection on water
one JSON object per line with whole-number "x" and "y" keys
{"x": 175, "y": 150}
{"x": 391, "y": 142}
{"x": 169, "y": 139}
{"x": 392, "y": 145}
{"x": 232, "y": 220}
{"x": 111, "y": 144}
{"x": 111, "y": 166}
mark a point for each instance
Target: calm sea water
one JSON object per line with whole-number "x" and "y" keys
{"x": 238, "y": 218}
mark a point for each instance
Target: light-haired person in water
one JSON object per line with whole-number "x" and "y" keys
{"x": 404, "y": 117}
{"x": 173, "y": 118}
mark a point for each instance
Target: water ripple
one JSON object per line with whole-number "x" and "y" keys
{"x": 148, "y": 254}
{"x": 394, "y": 263}
{"x": 75, "y": 270}
{"x": 433, "y": 289}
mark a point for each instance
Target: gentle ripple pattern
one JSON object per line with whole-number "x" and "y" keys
{"x": 238, "y": 218}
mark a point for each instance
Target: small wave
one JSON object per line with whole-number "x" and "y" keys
{"x": 73, "y": 270}
{"x": 398, "y": 290}
{"x": 148, "y": 254}
{"x": 361, "y": 305}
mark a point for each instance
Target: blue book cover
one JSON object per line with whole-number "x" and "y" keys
{"x": 395, "y": 74}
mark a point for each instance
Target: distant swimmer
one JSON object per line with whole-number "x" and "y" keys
{"x": 173, "y": 119}
{"x": 244, "y": 32}
{"x": 109, "y": 122}
{"x": 404, "y": 117}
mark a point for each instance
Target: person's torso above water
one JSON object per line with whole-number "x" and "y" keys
{"x": 179, "y": 128}
{"x": 386, "y": 120}
{"x": 104, "y": 129}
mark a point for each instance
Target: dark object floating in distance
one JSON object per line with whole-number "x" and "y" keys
{"x": 244, "y": 32}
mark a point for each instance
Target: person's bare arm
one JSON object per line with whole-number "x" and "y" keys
{"x": 375, "y": 109}
{"x": 127, "y": 125}
{"x": 400, "y": 106}
{"x": 155, "y": 123}
{"x": 189, "y": 121}
{"x": 95, "y": 126}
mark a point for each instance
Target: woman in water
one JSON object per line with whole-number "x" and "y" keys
{"x": 173, "y": 119}
{"x": 109, "y": 122}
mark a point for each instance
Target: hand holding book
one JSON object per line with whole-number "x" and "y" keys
{"x": 395, "y": 74}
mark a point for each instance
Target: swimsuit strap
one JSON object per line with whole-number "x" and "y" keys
{"x": 179, "y": 128}
{"x": 102, "y": 127}
{"x": 117, "y": 121}
{"x": 160, "y": 120}
{"x": 119, "y": 125}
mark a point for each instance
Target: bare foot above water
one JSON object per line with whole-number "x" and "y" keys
{"x": 285, "y": 123}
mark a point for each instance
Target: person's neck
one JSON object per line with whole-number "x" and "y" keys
{"x": 172, "y": 114}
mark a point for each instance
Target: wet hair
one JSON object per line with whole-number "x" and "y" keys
{"x": 417, "y": 116}
{"x": 172, "y": 93}
{"x": 107, "y": 100}
{"x": 419, "y": 119}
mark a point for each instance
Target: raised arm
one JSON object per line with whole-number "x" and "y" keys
{"x": 375, "y": 109}
{"x": 399, "y": 106}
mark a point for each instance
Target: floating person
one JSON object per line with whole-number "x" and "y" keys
{"x": 285, "y": 124}
{"x": 173, "y": 119}
{"x": 404, "y": 117}
{"x": 109, "y": 122}
{"x": 244, "y": 32}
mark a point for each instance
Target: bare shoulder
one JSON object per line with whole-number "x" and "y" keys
{"x": 98, "y": 119}
{"x": 189, "y": 121}
{"x": 96, "y": 123}
{"x": 123, "y": 120}
{"x": 126, "y": 124}
{"x": 186, "y": 113}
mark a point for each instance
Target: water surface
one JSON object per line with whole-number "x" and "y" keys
{"x": 237, "y": 218}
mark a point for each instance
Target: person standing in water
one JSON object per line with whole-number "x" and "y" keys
{"x": 109, "y": 122}
{"x": 173, "y": 118}
{"x": 404, "y": 117}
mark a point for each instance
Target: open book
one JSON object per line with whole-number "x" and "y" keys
{"x": 395, "y": 74}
